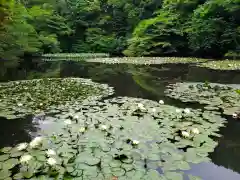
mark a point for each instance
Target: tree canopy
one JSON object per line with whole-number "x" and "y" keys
{"x": 133, "y": 28}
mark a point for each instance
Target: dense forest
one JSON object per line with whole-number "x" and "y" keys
{"x": 204, "y": 28}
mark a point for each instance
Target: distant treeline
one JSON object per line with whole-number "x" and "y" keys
{"x": 204, "y": 28}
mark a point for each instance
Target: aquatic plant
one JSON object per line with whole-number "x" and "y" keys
{"x": 146, "y": 60}
{"x": 19, "y": 98}
{"x": 222, "y": 65}
{"x": 215, "y": 96}
{"x": 72, "y": 56}
{"x": 119, "y": 140}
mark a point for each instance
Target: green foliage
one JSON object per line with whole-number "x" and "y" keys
{"x": 16, "y": 35}
{"x": 216, "y": 96}
{"x": 212, "y": 32}
{"x": 29, "y": 29}
{"x": 122, "y": 135}
{"x": 134, "y": 28}
{"x": 25, "y": 97}
{"x": 207, "y": 28}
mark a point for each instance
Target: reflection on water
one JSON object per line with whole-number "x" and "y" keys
{"x": 15, "y": 131}
{"x": 211, "y": 171}
{"x": 134, "y": 81}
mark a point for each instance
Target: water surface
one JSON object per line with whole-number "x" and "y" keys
{"x": 130, "y": 80}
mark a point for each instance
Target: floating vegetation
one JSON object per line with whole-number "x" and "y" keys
{"x": 72, "y": 56}
{"x": 222, "y": 65}
{"x": 216, "y": 96}
{"x": 116, "y": 138}
{"x": 147, "y": 60}
{"x": 19, "y": 98}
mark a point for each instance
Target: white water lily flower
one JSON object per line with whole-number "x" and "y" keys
{"x": 22, "y": 146}
{"x": 25, "y": 158}
{"x": 161, "y": 102}
{"x": 187, "y": 111}
{"x": 50, "y": 152}
{"x": 103, "y": 127}
{"x": 185, "y": 134}
{"x": 234, "y": 115}
{"x": 153, "y": 109}
{"x": 36, "y": 142}
{"x": 195, "y": 131}
{"x": 82, "y": 130}
{"x": 68, "y": 122}
{"x": 76, "y": 117}
{"x": 20, "y": 104}
{"x": 135, "y": 142}
{"x": 178, "y": 110}
{"x": 140, "y": 105}
{"x": 51, "y": 161}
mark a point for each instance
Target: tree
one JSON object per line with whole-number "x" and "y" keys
{"x": 214, "y": 28}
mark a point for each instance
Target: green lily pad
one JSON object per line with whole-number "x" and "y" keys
{"x": 118, "y": 172}
{"x": 191, "y": 177}
{"x": 18, "y": 176}
{"x": 119, "y": 140}
{"x": 215, "y": 96}
{"x": 26, "y": 97}
{"x": 173, "y": 176}
{"x": 4, "y": 157}
{"x": 10, "y": 163}
{"x": 6, "y": 149}
{"x": 4, "y": 174}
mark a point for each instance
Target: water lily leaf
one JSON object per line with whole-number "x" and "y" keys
{"x": 127, "y": 167}
{"x": 39, "y": 94}
{"x": 4, "y": 174}
{"x": 153, "y": 157}
{"x": 115, "y": 164}
{"x": 118, "y": 172}
{"x": 69, "y": 169}
{"x": 18, "y": 176}
{"x": 173, "y": 176}
{"x": 16, "y": 154}
{"x": 6, "y": 149}
{"x": 191, "y": 177}
{"x": 153, "y": 165}
{"x": 152, "y": 175}
{"x": 110, "y": 152}
{"x": 28, "y": 174}
{"x": 10, "y": 163}
{"x": 4, "y": 157}
{"x": 41, "y": 158}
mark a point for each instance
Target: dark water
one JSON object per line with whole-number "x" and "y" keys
{"x": 134, "y": 81}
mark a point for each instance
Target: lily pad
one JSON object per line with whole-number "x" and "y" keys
{"x": 4, "y": 157}
{"x": 20, "y": 98}
{"x": 215, "y": 96}
{"x": 9, "y": 164}
{"x": 4, "y": 174}
{"x": 122, "y": 140}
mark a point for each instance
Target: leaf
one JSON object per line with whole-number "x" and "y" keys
{"x": 4, "y": 174}
{"x": 4, "y": 157}
{"x": 173, "y": 176}
{"x": 118, "y": 172}
{"x": 16, "y": 154}
{"x": 191, "y": 177}
{"x": 28, "y": 174}
{"x": 10, "y": 163}
{"x": 6, "y": 149}
{"x": 18, "y": 176}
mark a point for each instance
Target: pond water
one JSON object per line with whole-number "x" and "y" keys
{"x": 148, "y": 82}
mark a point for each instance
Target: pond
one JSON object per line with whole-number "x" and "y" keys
{"x": 135, "y": 84}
